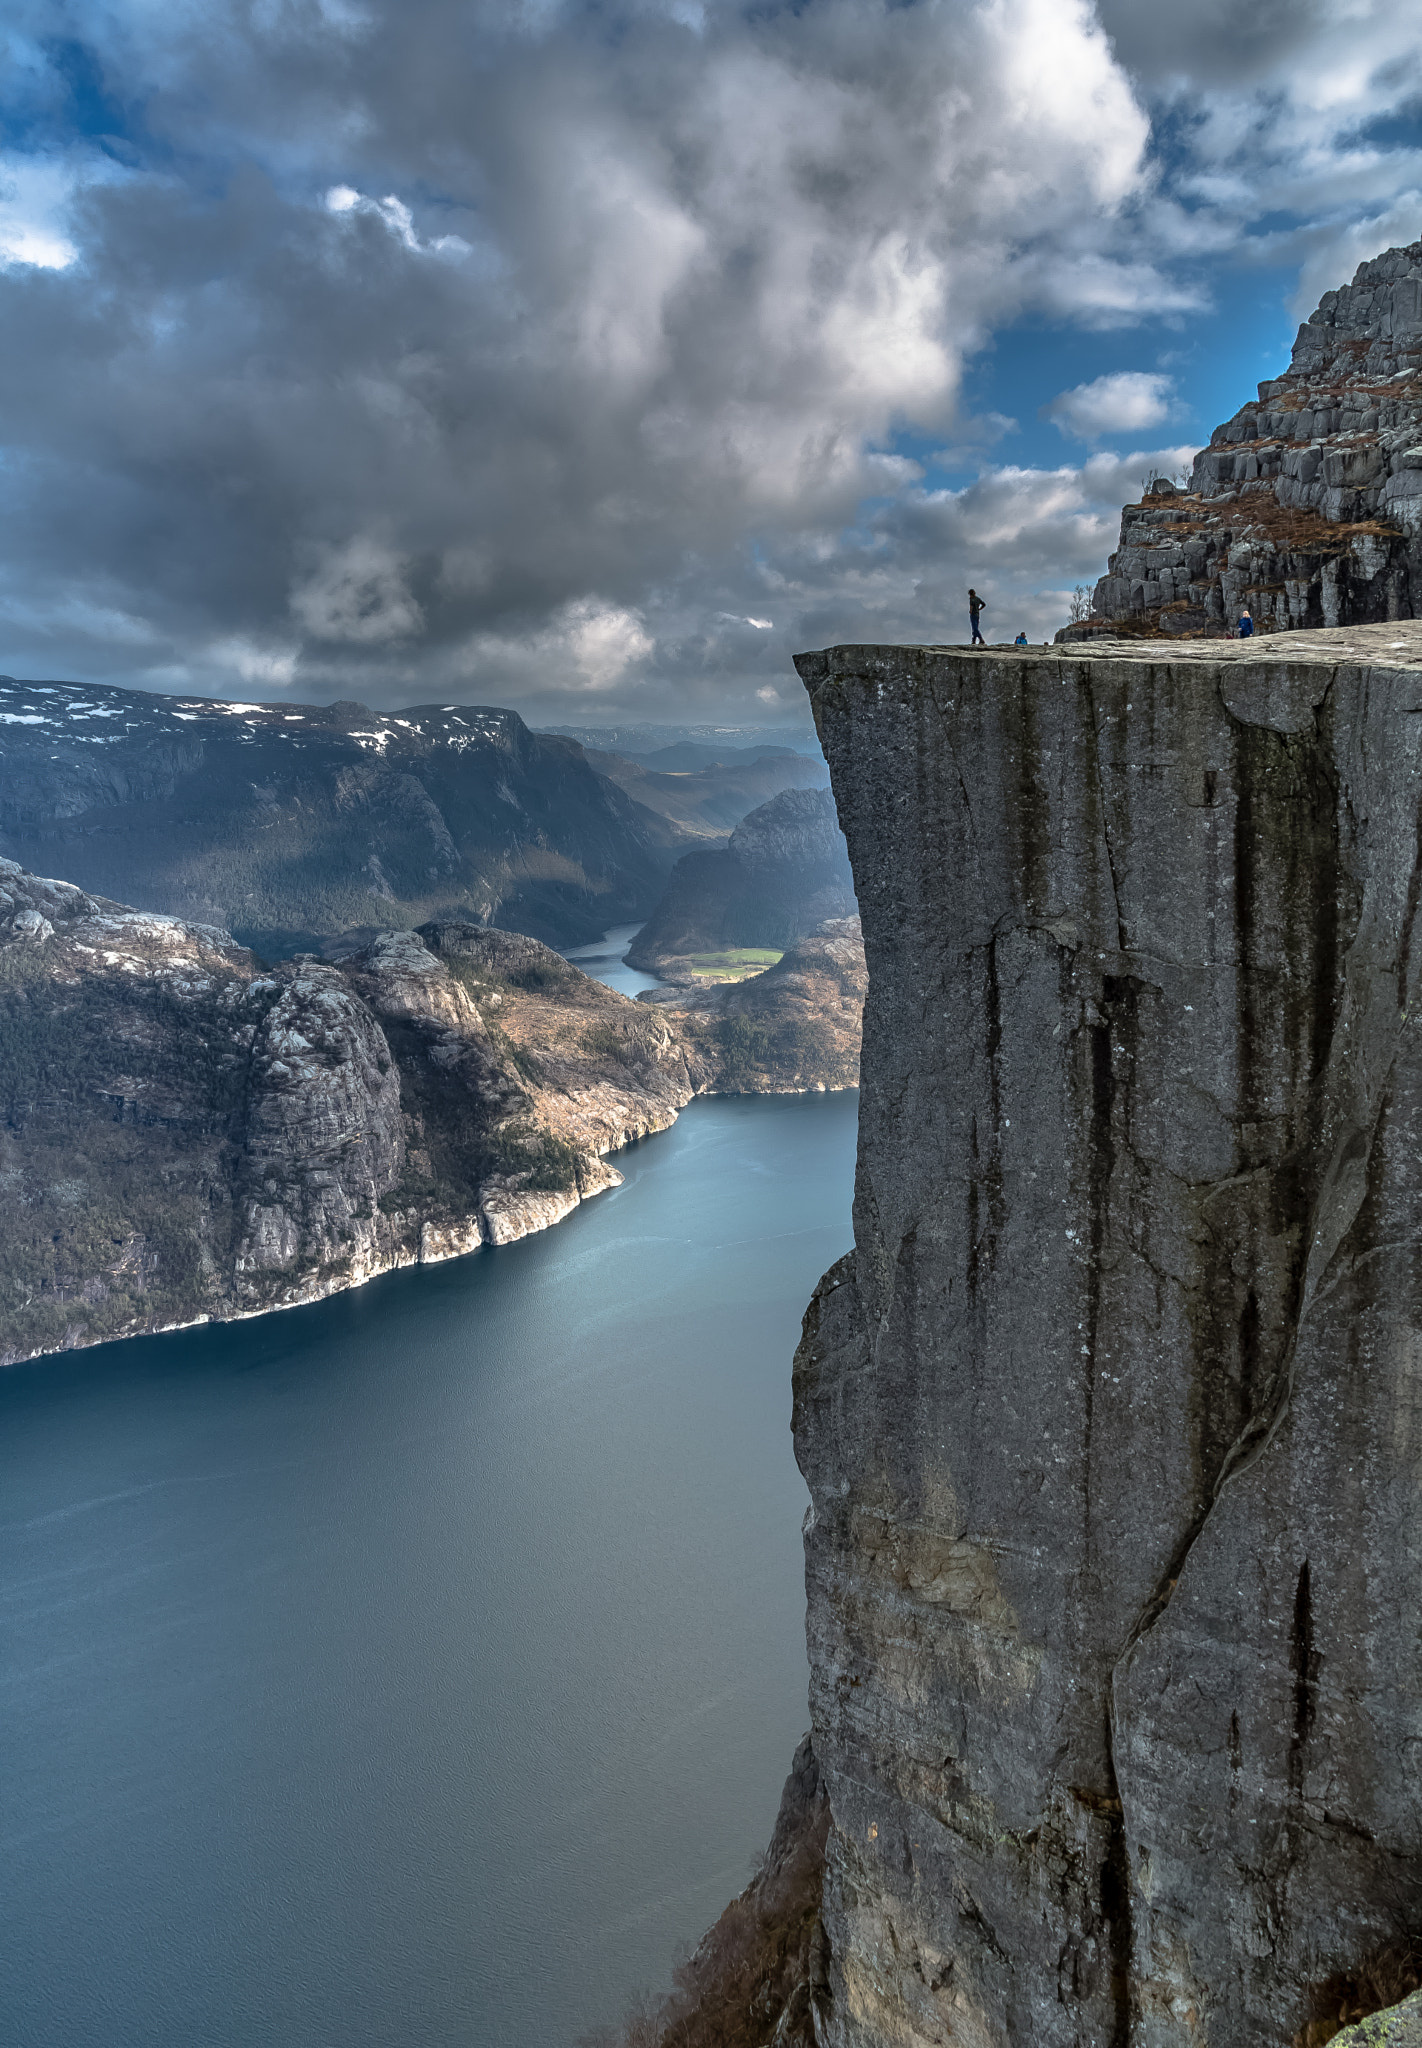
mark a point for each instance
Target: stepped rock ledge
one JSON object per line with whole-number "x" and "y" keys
{"x": 1112, "y": 1419}
{"x": 1307, "y": 505}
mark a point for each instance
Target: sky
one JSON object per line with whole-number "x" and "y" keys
{"x": 594, "y": 359}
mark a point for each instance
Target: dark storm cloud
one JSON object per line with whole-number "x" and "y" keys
{"x": 545, "y": 353}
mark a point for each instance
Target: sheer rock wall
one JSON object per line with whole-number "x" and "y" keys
{"x": 1307, "y": 505}
{"x": 1112, "y": 1420}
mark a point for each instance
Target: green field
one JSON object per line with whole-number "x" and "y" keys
{"x": 737, "y": 963}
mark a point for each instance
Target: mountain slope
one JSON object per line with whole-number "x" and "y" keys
{"x": 784, "y": 871}
{"x": 186, "y": 1134}
{"x": 284, "y": 822}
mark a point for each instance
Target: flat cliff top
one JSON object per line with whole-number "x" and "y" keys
{"x": 1397, "y": 645}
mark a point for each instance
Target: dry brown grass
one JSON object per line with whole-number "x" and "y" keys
{"x": 751, "y": 1976}
{"x": 1384, "y": 1979}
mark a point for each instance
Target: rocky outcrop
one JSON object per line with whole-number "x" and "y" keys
{"x": 286, "y": 823}
{"x": 185, "y": 1133}
{"x": 1110, "y": 1419}
{"x": 784, "y": 871}
{"x": 1400, "y": 2026}
{"x": 1307, "y": 506}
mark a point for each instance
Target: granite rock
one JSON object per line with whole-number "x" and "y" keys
{"x": 1111, "y": 1418}
{"x": 1399, "y": 2026}
{"x": 1307, "y": 505}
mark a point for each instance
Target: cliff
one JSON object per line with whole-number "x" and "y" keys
{"x": 186, "y": 1133}
{"x": 287, "y": 822}
{"x": 784, "y": 871}
{"x": 1110, "y": 1419}
{"x": 1307, "y": 505}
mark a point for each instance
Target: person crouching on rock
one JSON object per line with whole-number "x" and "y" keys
{"x": 976, "y": 606}
{"x": 1246, "y": 624}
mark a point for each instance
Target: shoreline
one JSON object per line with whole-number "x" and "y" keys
{"x": 406, "y": 1258}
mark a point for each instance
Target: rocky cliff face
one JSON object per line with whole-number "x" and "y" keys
{"x": 1111, "y": 1418}
{"x": 185, "y": 1133}
{"x": 1307, "y": 505}
{"x": 784, "y": 871}
{"x": 286, "y": 822}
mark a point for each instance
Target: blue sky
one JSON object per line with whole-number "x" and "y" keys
{"x": 595, "y": 360}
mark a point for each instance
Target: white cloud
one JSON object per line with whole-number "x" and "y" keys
{"x": 274, "y": 666}
{"x": 34, "y": 202}
{"x": 358, "y": 595}
{"x": 589, "y": 645}
{"x": 398, "y": 219}
{"x": 1122, "y": 403}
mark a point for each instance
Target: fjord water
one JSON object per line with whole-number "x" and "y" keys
{"x": 418, "y": 1669}
{"x": 606, "y": 960}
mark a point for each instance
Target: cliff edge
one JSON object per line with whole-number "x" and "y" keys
{"x": 1111, "y": 1418}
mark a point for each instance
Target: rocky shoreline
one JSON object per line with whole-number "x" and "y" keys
{"x": 189, "y": 1135}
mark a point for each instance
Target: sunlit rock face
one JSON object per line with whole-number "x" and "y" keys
{"x": 1306, "y": 508}
{"x": 186, "y": 1134}
{"x": 1111, "y": 1419}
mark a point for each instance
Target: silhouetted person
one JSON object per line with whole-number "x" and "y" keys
{"x": 976, "y": 606}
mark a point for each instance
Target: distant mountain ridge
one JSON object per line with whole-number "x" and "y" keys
{"x": 286, "y": 822}
{"x": 638, "y": 740}
{"x": 710, "y": 796}
{"x": 784, "y": 871}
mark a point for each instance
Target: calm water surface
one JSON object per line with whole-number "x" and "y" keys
{"x": 605, "y": 961}
{"x": 421, "y": 1667}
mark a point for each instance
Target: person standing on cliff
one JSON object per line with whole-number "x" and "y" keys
{"x": 976, "y": 606}
{"x": 1246, "y": 624}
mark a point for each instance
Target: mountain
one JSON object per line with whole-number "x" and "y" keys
{"x": 639, "y": 741}
{"x": 1307, "y": 505}
{"x": 186, "y": 1133}
{"x": 784, "y": 871}
{"x": 688, "y": 755}
{"x": 286, "y": 822}
{"x": 797, "y": 1025}
{"x": 708, "y": 798}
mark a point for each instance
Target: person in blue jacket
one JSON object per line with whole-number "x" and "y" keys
{"x": 1246, "y": 624}
{"x": 976, "y": 605}
{"x": 1020, "y": 641}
